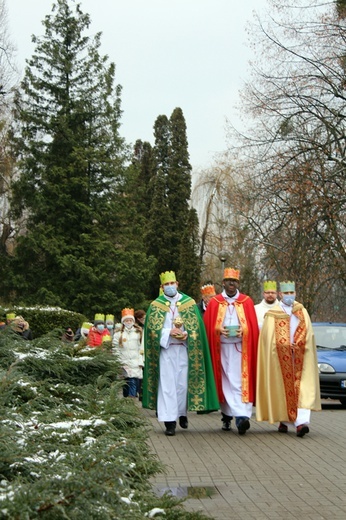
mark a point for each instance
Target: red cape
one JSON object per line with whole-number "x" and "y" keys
{"x": 213, "y": 318}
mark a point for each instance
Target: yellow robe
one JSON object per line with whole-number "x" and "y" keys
{"x": 287, "y": 375}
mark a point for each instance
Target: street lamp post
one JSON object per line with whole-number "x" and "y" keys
{"x": 223, "y": 256}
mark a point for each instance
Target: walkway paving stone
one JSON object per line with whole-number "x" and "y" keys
{"x": 263, "y": 475}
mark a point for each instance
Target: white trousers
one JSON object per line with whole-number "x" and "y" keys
{"x": 231, "y": 381}
{"x": 172, "y": 390}
{"x": 303, "y": 417}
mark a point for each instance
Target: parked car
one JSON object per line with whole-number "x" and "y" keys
{"x": 331, "y": 356}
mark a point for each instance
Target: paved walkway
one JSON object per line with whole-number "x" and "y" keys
{"x": 262, "y": 475}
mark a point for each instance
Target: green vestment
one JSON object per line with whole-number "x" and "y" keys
{"x": 201, "y": 394}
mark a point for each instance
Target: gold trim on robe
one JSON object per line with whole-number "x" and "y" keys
{"x": 287, "y": 374}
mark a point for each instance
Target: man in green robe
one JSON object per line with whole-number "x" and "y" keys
{"x": 178, "y": 374}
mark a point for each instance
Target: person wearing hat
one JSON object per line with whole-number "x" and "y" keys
{"x": 269, "y": 300}
{"x": 83, "y": 331}
{"x": 110, "y": 324}
{"x": 10, "y": 317}
{"x": 127, "y": 345}
{"x": 207, "y": 292}
{"x": 178, "y": 375}
{"x": 232, "y": 330}
{"x": 98, "y": 334}
{"x": 287, "y": 374}
{"x": 21, "y": 327}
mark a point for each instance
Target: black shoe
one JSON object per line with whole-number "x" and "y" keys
{"x": 283, "y": 428}
{"x": 183, "y": 422}
{"x": 226, "y": 422}
{"x": 302, "y": 430}
{"x": 242, "y": 426}
{"x": 170, "y": 428}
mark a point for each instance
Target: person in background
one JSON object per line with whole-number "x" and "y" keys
{"x": 232, "y": 330}
{"x": 127, "y": 345}
{"x": 269, "y": 300}
{"x": 10, "y": 317}
{"x": 21, "y": 327}
{"x": 2, "y": 322}
{"x": 140, "y": 317}
{"x": 178, "y": 374}
{"x": 98, "y": 334}
{"x": 207, "y": 292}
{"x": 287, "y": 374}
{"x": 110, "y": 324}
{"x": 118, "y": 326}
{"x": 68, "y": 335}
{"x": 83, "y": 331}
{"x": 140, "y": 320}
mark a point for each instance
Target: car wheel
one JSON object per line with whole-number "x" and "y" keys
{"x": 343, "y": 401}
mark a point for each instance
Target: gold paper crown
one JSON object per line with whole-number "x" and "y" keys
{"x": 287, "y": 286}
{"x": 128, "y": 313}
{"x": 229, "y": 272}
{"x": 86, "y": 325}
{"x": 208, "y": 290}
{"x": 167, "y": 276}
{"x": 10, "y": 316}
{"x": 110, "y": 317}
{"x": 269, "y": 285}
{"x": 99, "y": 317}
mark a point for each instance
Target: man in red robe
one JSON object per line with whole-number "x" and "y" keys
{"x": 232, "y": 330}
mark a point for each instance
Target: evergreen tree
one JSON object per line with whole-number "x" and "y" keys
{"x": 143, "y": 167}
{"x": 170, "y": 218}
{"x": 178, "y": 180}
{"x": 160, "y": 222}
{"x": 189, "y": 260}
{"x": 72, "y": 175}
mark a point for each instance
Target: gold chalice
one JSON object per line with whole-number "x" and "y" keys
{"x": 178, "y": 323}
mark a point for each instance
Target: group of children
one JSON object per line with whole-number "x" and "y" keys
{"x": 126, "y": 339}
{"x": 18, "y": 324}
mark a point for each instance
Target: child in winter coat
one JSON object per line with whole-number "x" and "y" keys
{"x": 127, "y": 345}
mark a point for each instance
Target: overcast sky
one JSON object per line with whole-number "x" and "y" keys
{"x": 191, "y": 54}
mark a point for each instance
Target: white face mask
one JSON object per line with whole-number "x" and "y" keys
{"x": 170, "y": 290}
{"x": 128, "y": 325}
{"x": 288, "y": 299}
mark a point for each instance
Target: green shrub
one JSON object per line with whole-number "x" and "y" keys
{"x": 43, "y": 320}
{"x": 70, "y": 445}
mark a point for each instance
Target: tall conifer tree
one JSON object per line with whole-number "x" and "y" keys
{"x": 178, "y": 181}
{"x": 172, "y": 227}
{"x": 71, "y": 185}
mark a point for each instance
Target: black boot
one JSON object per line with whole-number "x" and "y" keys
{"x": 170, "y": 428}
{"x": 183, "y": 422}
{"x": 226, "y": 422}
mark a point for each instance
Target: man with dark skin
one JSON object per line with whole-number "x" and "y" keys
{"x": 232, "y": 330}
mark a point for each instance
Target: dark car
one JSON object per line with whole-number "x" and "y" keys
{"x": 331, "y": 356}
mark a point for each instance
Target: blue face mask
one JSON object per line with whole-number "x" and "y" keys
{"x": 109, "y": 326}
{"x": 100, "y": 328}
{"x": 170, "y": 290}
{"x": 288, "y": 299}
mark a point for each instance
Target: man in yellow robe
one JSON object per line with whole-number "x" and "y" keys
{"x": 287, "y": 374}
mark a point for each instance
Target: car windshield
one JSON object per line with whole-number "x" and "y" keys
{"x": 330, "y": 337}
